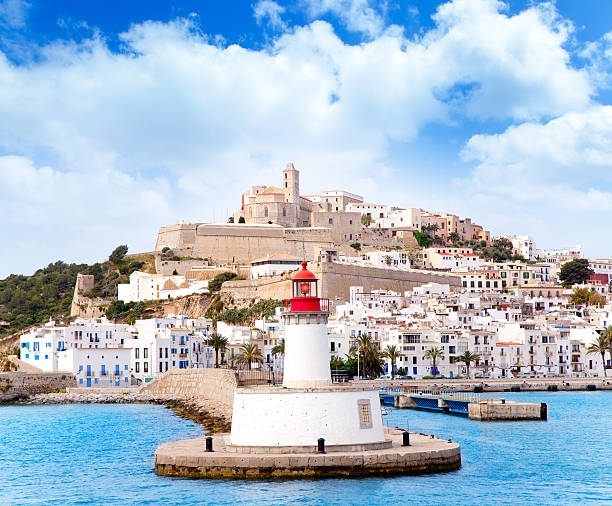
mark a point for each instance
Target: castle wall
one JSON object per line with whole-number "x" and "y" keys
{"x": 176, "y": 236}
{"x": 337, "y": 278}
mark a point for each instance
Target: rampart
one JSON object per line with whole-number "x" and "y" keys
{"x": 177, "y": 236}
{"x": 215, "y": 384}
{"x": 16, "y": 385}
{"x": 337, "y": 278}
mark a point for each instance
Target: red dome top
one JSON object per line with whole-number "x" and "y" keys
{"x": 304, "y": 274}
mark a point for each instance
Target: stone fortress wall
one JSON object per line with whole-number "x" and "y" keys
{"x": 336, "y": 280}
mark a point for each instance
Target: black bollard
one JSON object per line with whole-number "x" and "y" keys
{"x": 405, "y": 438}
{"x": 321, "y": 445}
{"x": 209, "y": 441}
{"x": 543, "y": 411}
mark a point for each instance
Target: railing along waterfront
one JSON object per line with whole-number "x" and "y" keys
{"x": 433, "y": 394}
{"x": 259, "y": 377}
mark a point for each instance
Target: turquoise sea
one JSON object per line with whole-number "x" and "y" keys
{"x": 103, "y": 454}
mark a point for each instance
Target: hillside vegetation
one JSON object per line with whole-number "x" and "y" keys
{"x": 31, "y": 300}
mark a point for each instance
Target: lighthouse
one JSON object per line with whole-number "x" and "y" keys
{"x": 306, "y": 348}
{"x": 308, "y": 406}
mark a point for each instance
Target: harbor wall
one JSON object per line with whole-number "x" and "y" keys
{"x": 16, "y": 385}
{"x": 215, "y": 384}
{"x": 494, "y": 411}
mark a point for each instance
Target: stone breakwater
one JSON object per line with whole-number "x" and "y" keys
{"x": 207, "y": 412}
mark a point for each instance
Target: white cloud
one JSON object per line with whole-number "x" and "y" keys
{"x": 557, "y": 175}
{"x": 14, "y": 13}
{"x": 270, "y": 10}
{"x": 194, "y": 123}
{"x": 356, "y": 15}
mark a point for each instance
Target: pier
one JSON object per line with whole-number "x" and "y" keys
{"x": 462, "y": 403}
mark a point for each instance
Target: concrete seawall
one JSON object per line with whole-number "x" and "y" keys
{"x": 217, "y": 385}
{"x": 18, "y": 385}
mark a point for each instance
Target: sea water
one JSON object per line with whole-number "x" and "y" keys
{"x": 103, "y": 454}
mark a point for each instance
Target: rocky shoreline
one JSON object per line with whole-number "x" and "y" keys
{"x": 214, "y": 416}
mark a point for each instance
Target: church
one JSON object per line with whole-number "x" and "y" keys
{"x": 285, "y": 206}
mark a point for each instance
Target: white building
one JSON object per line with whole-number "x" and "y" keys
{"x": 273, "y": 265}
{"x": 97, "y": 367}
{"x": 400, "y": 218}
{"x": 397, "y": 258}
{"x": 143, "y": 287}
{"x": 375, "y": 211}
{"x": 523, "y": 245}
{"x": 40, "y": 346}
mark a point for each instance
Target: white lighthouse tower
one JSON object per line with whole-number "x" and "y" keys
{"x": 308, "y": 406}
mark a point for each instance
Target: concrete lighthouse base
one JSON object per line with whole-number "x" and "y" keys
{"x": 426, "y": 454}
{"x": 298, "y": 417}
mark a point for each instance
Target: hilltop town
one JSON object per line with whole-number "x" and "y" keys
{"x": 412, "y": 293}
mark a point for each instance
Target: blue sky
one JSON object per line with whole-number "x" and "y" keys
{"x": 118, "y": 117}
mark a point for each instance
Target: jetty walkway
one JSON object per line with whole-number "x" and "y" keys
{"x": 462, "y": 403}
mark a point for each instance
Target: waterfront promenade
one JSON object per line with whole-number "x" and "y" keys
{"x": 497, "y": 384}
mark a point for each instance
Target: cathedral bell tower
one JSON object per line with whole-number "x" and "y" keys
{"x": 291, "y": 184}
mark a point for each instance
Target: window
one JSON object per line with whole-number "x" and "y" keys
{"x": 161, "y": 353}
{"x": 145, "y": 367}
{"x": 137, "y": 366}
{"x": 266, "y": 211}
{"x": 136, "y": 352}
{"x": 145, "y": 353}
{"x": 365, "y": 413}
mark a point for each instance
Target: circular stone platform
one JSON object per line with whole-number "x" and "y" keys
{"x": 426, "y": 454}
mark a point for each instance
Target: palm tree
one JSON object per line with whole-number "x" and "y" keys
{"x": 279, "y": 349}
{"x": 600, "y": 345}
{"x": 608, "y": 333}
{"x": 219, "y": 343}
{"x": 249, "y": 353}
{"x": 434, "y": 353}
{"x": 467, "y": 357}
{"x": 392, "y": 352}
{"x": 364, "y": 347}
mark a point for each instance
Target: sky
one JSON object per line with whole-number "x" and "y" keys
{"x": 119, "y": 117}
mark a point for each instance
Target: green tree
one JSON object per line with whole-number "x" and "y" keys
{"x": 369, "y": 356}
{"x": 215, "y": 284}
{"x": 422, "y": 239}
{"x": 249, "y": 354}
{"x": 219, "y": 343}
{"x": 279, "y": 349}
{"x": 453, "y": 237}
{"x": 434, "y": 354}
{"x": 467, "y": 357}
{"x": 575, "y": 272}
{"x": 356, "y": 246}
{"x": 392, "y": 352}
{"x": 366, "y": 220}
{"x": 586, "y": 297}
{"x": 118, "y": 253}
{"x": 600, "y": 345}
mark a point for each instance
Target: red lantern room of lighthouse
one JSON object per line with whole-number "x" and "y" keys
{"x": 305, "y": 297}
